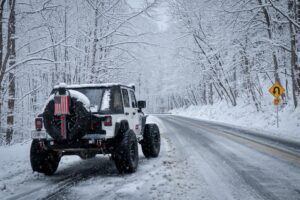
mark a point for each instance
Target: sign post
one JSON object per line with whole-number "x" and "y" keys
{"x": 277, "y": 90}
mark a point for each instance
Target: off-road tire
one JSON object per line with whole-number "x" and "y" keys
{"x": 42, "y": 160}
{"x": 78, "y": 122}
{"x": 151, "y": 141}
{"x": 126, "y": 156}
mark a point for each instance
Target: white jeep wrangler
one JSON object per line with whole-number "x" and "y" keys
{"x": 92, "y": 119}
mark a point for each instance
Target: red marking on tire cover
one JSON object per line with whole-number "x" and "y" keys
{"x": 62, "y": 118}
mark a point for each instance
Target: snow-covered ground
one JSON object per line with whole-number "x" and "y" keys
{"x": 196, "y": 162}
{"x": 95, "y": 178}
{"x": 246, "y": 116}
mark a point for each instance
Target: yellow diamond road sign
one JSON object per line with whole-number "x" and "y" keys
{"x": 276, "y": 90}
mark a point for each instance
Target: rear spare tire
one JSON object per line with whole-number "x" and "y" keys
{"x": 77, "y": 123}
{"x": 151, "y": 141}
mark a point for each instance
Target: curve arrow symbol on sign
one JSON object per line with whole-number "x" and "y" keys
{"x": 278, "y": 90}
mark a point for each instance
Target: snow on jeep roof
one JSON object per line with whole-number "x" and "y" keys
{"x": 92, "y": 85}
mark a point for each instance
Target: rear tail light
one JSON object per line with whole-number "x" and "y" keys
{"x": 108, "y": 121}
{"x": 38, "y": 123}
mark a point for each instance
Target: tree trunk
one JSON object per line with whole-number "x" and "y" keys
{"x": 297, "y": 38}
{"x": 229, "y": 94}
{"x": 94, "y": 48}
{"x": 67, "y": 70}
{"x": 235, "y": 83}
{"x": 274, "y": 56}
{"x": 55, "y": 74}
{"x": 2, "y": 70}
{"x": 249, "y": 82}
{"x": 295, "y": 71}
{"x": 11, "y": 77}
{"x": 210, "y": 94}
{"x": 294, "y": 67}
{"x": 219, "y": 94}
{"x": 204, "y": 96}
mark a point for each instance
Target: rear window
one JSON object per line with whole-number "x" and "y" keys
{"x": 95, "y": 95}
{"x": 103, "y": 100}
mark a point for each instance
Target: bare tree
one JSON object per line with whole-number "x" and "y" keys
{"x": 11, "y": 80}
{"x": 2, "y": 67}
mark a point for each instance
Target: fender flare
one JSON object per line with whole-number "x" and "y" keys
{"x": 123, "y": 124}
{"x": 143, "y": 121}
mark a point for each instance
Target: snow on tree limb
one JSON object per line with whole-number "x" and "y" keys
{"x": 27, "y": 60}
{"x": 284, "y": 14}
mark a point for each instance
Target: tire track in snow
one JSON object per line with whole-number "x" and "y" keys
{"x": 44, "y": 187}
{"x": 151, "y": 181}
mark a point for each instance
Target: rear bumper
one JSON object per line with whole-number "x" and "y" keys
{"x": 42, "y": 135}
{"x": 90, "y": 142}
{"x": 80, "y": 145}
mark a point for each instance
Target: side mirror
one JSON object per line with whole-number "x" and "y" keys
{"x": 141, "y": 104}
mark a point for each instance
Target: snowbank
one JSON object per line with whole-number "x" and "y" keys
{"x": 246, "y": 116}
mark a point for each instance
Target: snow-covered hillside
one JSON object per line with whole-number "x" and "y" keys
{"x": 264, "y": 122}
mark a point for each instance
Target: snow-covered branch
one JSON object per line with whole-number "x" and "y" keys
{"x": 284, "y": 14}
{"x": 26, "y": 61}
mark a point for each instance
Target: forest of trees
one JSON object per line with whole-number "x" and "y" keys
{"x": 212, "y": 51}
{"x": 237, "y": 49}
{"x": 45, "y": 42}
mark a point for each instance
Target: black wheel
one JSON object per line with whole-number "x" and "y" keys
{"x": 78, "y": 122}
{"x": 87, "y": 155}
{"x": 42, "y": 160}
{"x": 127, "y": 156}
{"x": 151, "y": 141}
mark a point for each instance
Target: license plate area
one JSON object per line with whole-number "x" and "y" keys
{"x": 39, "y": 134}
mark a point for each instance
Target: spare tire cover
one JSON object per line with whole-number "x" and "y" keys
{"x": 77, "y": 123}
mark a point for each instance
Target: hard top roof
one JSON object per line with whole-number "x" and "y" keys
{"x": 93, "y": 85}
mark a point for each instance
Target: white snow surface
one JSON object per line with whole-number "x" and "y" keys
{"x": 94, "y": 108}
{"x": 82, "y": 98}
{"x": 192, "y": 165}
{"x": 62, "y": 85}
{"x": 93, "y": 85}
{"x": 95, "y": 178}
{"x": 246, "y": 116}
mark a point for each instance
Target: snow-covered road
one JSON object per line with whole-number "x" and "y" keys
{"x": 224, "y": 166}
{"x": 197, "y": 161}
